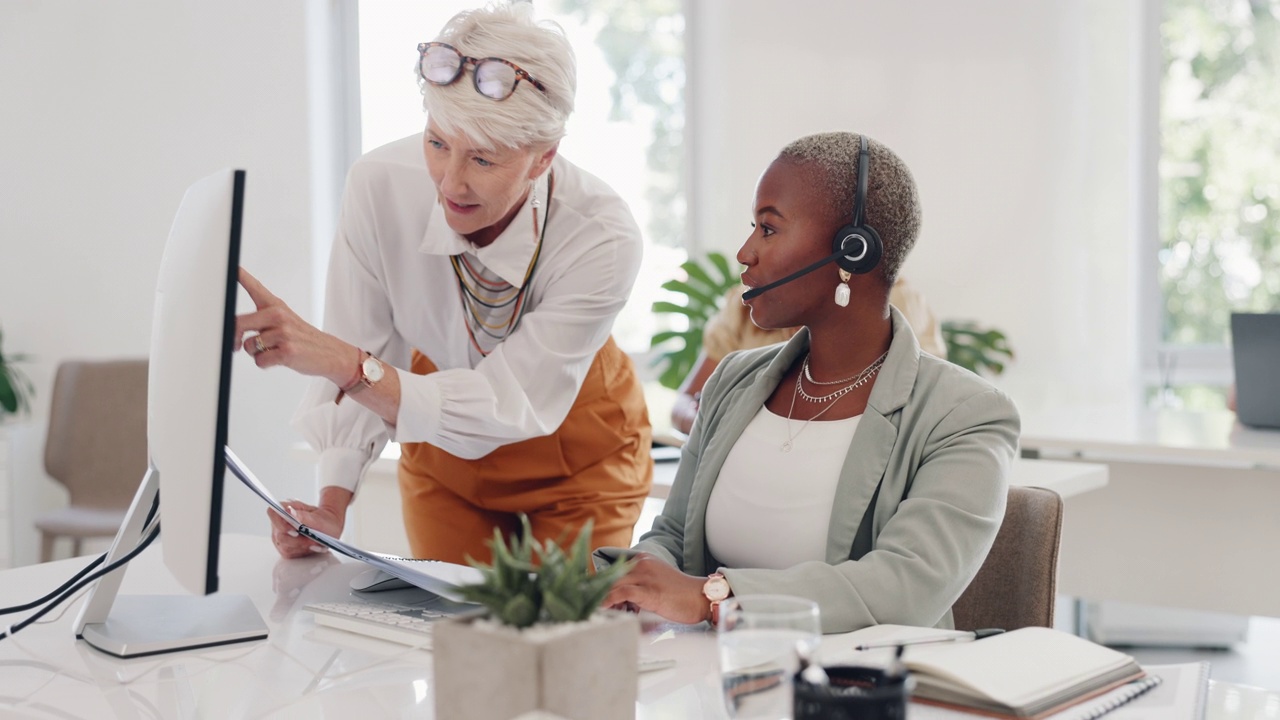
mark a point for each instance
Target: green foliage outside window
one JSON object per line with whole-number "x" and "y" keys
{"x": 1219, "y": 217}
{"x": 643, "y": 42}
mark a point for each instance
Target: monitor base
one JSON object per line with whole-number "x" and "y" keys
{"x": 141, "y": 625}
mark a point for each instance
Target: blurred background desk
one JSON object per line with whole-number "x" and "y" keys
{"x": 305, "y": 671}
{"x": 1188, "y": 519}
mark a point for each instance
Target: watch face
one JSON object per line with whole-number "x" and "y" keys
{"x": 372, "y": 369}
{"x": 716, "y": 588}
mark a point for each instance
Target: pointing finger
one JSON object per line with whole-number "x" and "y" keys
{"x": 258, "y": 292}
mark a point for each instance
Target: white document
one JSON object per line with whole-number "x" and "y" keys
{"x": 441, "y": 578}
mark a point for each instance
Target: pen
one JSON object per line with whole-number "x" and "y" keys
{"x": 974, "y": 635}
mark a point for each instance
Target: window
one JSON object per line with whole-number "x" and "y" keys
{"x": 626, "y": 129}
{"x": 1218, "y": 207}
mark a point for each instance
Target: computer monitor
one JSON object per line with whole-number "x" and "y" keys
{"x": 1255, "y": 351}
{"x": 188, "y": 390}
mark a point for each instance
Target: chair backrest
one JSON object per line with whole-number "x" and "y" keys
{"x": 1017, "y": 583}
{"x": 97, "y": 442}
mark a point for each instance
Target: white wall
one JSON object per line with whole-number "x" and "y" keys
{"x": 110, "y": 110}
{"x": 1018, "y": 121}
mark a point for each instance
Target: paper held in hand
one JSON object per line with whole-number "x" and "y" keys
{"x": 441, "y": 578}
{"x": 1026, "y": 673}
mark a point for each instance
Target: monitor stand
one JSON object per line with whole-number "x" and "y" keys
{"x": 129, "y": 626}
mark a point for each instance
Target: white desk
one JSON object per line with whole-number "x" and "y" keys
{"x": 302, "y": 671}
{"x": 374, "y": 520}
{"x": 1188, "y": 518}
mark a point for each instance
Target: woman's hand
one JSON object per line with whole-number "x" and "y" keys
{"x": 657, "y": 587}
{"x": 285, "y": 339}
{"x": 326, "y": 517}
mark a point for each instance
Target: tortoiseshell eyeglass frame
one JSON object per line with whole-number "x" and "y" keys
{"x": 465, "y": 60}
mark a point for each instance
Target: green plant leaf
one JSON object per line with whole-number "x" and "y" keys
{"x": 665, "y": 335}
{"x": 727, "y": 274}
{"x": 695, "y": 295}
{"x": 703, "y": 294}
{"x": 8, "y": 395}
{"x": 975, "y": 348}
{"x": 662, "y": 306}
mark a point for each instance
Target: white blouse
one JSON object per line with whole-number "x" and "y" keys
{"x": 771, "y": 508}
{"x": 392, "y": 289}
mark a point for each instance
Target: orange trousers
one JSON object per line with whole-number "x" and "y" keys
{"x": 596, "y": 466}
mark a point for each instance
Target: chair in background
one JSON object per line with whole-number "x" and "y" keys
{"x": 1017, "y": 584}
{"x": 96, "y": 447}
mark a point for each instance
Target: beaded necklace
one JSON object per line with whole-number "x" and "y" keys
{"x": 480, "y": 296}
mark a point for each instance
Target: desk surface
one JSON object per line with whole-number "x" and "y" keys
{"x": 307, "y": 671}
{"x": 1135, "y": 433}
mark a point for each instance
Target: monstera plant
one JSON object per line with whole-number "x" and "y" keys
{"x": 15, "y": 389}
{"x": 701, "y": 292}
{"x": 976, "y": 348}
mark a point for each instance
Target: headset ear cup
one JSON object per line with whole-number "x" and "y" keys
{"x": 864, "y": 246}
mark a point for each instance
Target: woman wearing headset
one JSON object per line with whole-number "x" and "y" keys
{"x": 845, "y": 466}
{"x": 472, "y": 289}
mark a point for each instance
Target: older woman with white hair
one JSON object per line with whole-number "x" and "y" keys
{"x": 472, "y": 289}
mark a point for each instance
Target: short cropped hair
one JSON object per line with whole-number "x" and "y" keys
{"x": 530, "y": 118}
{"x": 892, "y": 203}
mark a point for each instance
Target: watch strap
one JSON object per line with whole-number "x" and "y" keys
{"x": 357, "y": 384}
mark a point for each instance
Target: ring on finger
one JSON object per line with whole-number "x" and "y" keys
{"x": 258, "y": 346}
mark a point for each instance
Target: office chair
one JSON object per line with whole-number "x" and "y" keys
{"x": 1016, "y": 585}
{"x": 96, "y": 447}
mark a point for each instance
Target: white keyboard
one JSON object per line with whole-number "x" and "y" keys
{"x": 404, "y": 625}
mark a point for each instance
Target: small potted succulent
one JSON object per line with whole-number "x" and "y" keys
{"x": 543, "y": 643}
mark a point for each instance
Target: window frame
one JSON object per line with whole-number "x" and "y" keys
{"x": 1188, "y": 364}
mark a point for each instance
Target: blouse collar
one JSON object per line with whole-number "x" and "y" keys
{"x": 509, "y": 254}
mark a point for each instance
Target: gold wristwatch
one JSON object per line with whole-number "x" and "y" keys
{"x": 369, "y": 372}
{"x": 716, "y": 589}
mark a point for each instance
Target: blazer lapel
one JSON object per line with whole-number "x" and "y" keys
{"x": 874, "y": 440}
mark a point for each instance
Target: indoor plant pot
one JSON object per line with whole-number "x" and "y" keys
{"x": 583, "y": 670}
{"x": 544, "y": 644}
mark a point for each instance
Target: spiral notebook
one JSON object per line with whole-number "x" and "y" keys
{"x": 1168, "y": 692}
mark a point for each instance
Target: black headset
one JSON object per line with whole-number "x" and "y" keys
{"x": 858, "y": 243}
{"x": 855, "y": 248}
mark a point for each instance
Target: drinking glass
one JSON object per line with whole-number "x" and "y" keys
{"x": 760, "y": 638}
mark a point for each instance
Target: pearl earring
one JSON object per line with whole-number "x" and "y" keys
{"x": 842, "y": 290}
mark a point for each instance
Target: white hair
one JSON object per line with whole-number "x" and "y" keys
{"x": 530, "y": 118}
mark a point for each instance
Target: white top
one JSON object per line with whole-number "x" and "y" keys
{"x": 770, "y": 508}
{"x": 392, "y": 288}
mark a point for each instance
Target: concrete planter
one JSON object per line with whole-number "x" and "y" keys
{"x": 578, "y": 671}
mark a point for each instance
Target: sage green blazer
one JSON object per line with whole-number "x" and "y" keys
{"x": 933, "y": 449}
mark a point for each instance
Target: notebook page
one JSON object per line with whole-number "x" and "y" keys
{"x": 1116, "y": 701}
{"x": 1017, "y": 668}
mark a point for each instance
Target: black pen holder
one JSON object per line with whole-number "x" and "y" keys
{"x": 853, "y": 693}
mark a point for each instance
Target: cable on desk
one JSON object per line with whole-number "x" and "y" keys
{"x": 95, "y": 563}
{"x": 12, "y": 629}
{"x": 36, "y": 603}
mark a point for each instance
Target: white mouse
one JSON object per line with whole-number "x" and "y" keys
{"x": 375, "y": 580}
